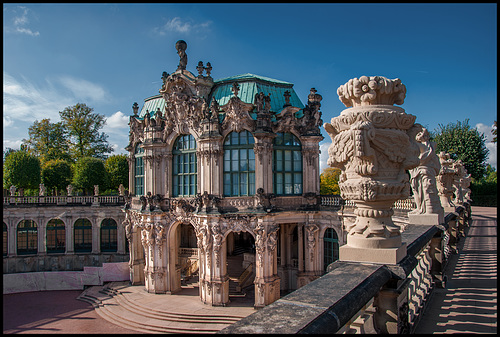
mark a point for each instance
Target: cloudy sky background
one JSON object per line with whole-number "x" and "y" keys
{"x": 110, "y": 56}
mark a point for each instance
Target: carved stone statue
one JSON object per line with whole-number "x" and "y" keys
{"x": 42, "y": 190}
{"x": 423, "y": 178}
{"x": 70, "y": 190}
{"x": 121, "y": 190}
{"x": 445, "y": 181}
{"x": 12, "y": 190}
{"x": 96, "y": 190}
{"x": 181, "y": 47}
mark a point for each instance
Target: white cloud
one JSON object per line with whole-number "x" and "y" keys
{"x": 84, "y": 90}
{"x": 492, "y": 147}
{"x": 179, "y": 25}
{"x": 117, "y": 121}
{"x": 20, "y": 21}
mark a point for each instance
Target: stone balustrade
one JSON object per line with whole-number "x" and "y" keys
{"x": 367, "y": 297}
{"x": 64, "y": 200}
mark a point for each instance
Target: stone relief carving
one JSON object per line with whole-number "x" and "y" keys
{"x": 372, "y": 90}
{"x": 237, "y": 115}
{"x": 423, "y": 177}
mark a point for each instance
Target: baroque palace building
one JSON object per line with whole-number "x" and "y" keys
{"x": 222, "y": 169}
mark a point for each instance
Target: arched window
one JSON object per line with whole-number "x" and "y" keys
{"x": 83, "y": 236}
{"x": 139, "y": 170}
{"x": 108, "y": 235}
{"x": 184, "y": 166}
{"x": 239, "y": 164}
{"x": 5, "y": 240}
{"x": 56, "y": 236}
{"x": 331, "y": 247}
{"x": 27, "y": 237}
{"x": 287, "y": 168}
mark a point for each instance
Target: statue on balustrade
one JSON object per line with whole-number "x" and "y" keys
{"x": 423, "y": 177}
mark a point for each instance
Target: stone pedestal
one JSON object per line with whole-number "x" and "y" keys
{"x": 372, "y": 147}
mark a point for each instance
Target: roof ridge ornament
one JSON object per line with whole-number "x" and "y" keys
{"x": 235, "y": 89}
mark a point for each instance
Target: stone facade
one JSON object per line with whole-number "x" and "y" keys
{"x": 284, "y": 223}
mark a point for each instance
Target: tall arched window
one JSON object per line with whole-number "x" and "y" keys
{"x": 287, "y": 168}
{"x": 184, "y": 166}
{"x": 5, "y": 240}
{"x": 108, "y": 235}
{"x": 27, "y": 237}
{"x": 330, "y": 247}
{"x": 83, "y": 236}
{"x": 139, "y": 170}
{"x": 56, "y": 236}
{"x": 239, "y": 164}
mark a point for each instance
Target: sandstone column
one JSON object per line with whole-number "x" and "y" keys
{"x": 371, "y": 145}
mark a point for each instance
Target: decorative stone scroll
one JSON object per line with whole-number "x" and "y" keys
{"x": 372, "y": 147}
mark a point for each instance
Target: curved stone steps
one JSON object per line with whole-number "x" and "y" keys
{"x": 136, "y": 308}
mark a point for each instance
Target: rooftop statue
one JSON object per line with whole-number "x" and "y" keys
{"x": 181, "y": 47}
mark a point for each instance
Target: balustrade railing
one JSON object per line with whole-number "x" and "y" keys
{"x": 64, "y": 200}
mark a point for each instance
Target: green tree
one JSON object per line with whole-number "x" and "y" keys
{"x": 494, "y": 132}
{"x": 89, "y": 171}
{"x": 329, "y": 181}
{"x": 117, "y": 171}
{"x": 464, "y": 143}
{"x": 83, "y": 127}
{"x": 48, "y": 140}
{"x": 21, "y": 169}
{"x": 56, "y": 174}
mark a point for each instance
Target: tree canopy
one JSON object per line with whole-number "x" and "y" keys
{"x": 117, "y": 171}
{"x": 464, "y": 143}
{"x": 21, "y": 169}
{"x": 329, "y": 181}
{"x": 48, "y": 140}
{"x": 83, "y": 127}
{"x": 56, "y": 174}
{"x": 88, "y": 172}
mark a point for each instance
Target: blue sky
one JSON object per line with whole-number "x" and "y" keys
{"x": 112, "y": 55}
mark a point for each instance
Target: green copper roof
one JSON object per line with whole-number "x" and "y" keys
{"x": 152, "y": 104}
{"x": 249, "y": 85}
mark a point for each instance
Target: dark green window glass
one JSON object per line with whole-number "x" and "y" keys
{"x": 27, "y": 237}
{"x": 331, "y": 247}
{"x": 139, "y": 170}
{"x": 109, "y": 235}
{"x": 287, "y": 164}
{"x": 239, "y": 164}
{"x": 83, "y": 236}
{"x": 184, "y": 177}
{"x": 56, "y": 236}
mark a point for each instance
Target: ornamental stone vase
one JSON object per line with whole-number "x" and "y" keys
{"x": 371, "y": 144}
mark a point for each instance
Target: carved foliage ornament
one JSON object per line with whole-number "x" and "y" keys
{"x": 372, "y": 90}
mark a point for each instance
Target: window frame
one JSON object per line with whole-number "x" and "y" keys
{"x": 85, "y": 246}
{"x": 139, "y": 174}
{"x": 30, "y": 232}
{"x": 109, "y": 245}
{"x": 57, "y": 226}
{"x": 288, "y": 173}
{"x": 184, "y": 167}
{"x": 239, "y": 164}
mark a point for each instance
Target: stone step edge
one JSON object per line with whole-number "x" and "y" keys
{"x": 179, "y": 318}
{"x": 200, "y": 316}
{"x": 115, "y": 318}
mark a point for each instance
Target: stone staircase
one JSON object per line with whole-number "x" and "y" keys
{"x": 116, "y": 307}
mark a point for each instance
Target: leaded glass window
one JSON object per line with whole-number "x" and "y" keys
{"x": 185, "y": 168}
{"x": 139, "y": 170}
{"x": 109, "y": 235}
{"x": 83, "y": 235}
{"x": 56, "y": 236}
{"x": 287, "y": 164}
{"x": 27, "y": 237}
{"x": 239, "y": 164}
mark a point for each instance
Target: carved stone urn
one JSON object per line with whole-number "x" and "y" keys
{"x": 372, "y": 145}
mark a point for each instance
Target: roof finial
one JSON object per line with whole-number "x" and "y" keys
{"x": 287, "y": 98}
{"x": 235, "y": 88}
{"x": 181, "y": 47}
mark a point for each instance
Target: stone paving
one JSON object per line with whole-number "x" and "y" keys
{"x": 469, "y": 302}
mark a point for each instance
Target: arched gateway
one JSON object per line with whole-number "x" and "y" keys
{"x": 236, "y": 155}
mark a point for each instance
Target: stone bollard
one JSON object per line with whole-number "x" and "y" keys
{"x": 372, "y": 147}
